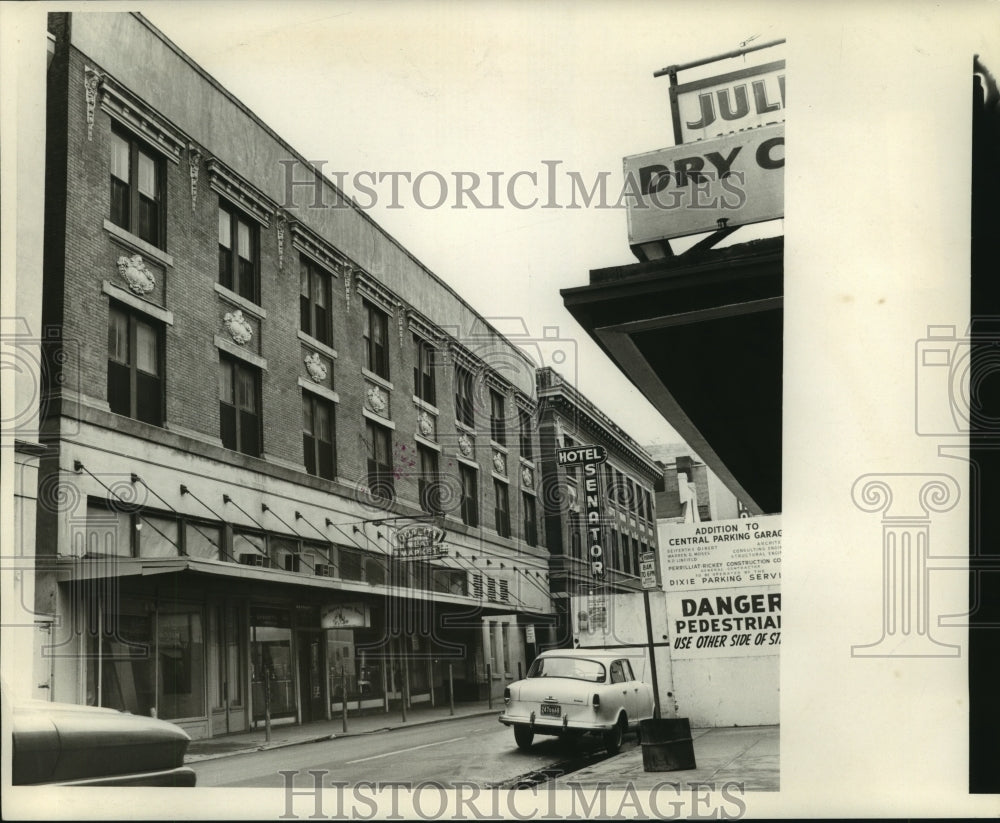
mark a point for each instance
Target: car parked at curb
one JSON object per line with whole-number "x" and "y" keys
{"x": 69, "y": 745}
{"x": 577, "y": 691}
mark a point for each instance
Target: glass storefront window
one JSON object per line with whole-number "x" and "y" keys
{"x": 249, "y": 544}
{"x": 108, "y": 532}
{"x": 157, "y": 537}
{"x": 126, "y": 668}
{"x": 202, "y": 541}
{"x": 272, "y": 675}
{"x": 181, "y": 661}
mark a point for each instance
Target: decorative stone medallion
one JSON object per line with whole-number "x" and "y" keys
{"x": 136, "y": 274}
{"x": 238, "y": 326}
{"x": 527, "y": 478}
{"x": 465, "y": 444}
{"x": 425, "y": 424}
{"x": 499, "y": 463}
{"x": 315, "y": 367}
{"x": 376, "y": 399}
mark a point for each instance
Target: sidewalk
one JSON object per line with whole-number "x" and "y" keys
{"x": 747, "y": 755}
{"x": 374, "y": 720}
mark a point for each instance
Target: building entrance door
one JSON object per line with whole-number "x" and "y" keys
{"x": 311, "y": 668}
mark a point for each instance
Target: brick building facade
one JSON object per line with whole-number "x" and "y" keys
{"x": 627, "y": 513}
{"x": 280, "y": 464}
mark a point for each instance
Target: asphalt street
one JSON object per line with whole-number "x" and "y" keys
{"x": 476, "y": 749}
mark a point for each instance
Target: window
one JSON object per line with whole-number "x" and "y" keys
{"x": 428, "y": 481}
{"x": 530, "y": 519}
{"x": 376, "y": 340}
{"x": 575, "y": 535}
{"x": 136, "y": 188}
{"x": 237, "y": 252}
{"x": 524, "y": 420}
{"x": 319, "y": 443}
{"x": 502, "y": 510}
{"x": 379, "y": 443}
{"x": 423, "y": 370}
{"x": 239, "y": 406}
{"x": 135, "y": 366}
{"x": 615, "y": 556}
{"x": 470, "y": 495}
{"x": 649, "y": 505}
{"x": 635, "y": 555}
{"x": 463, "y": 397}
{"x": 498, "y": 430}
{"x": 315, "y": 288}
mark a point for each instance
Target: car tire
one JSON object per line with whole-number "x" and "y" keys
{"x": 613, "y": 737}
{"x": 523, "y": 735}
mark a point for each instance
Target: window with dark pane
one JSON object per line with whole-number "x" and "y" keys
{"x": 378, "y": 441}
{"x": 470, "y": 495}
{"x": 239, "y": 406}
{"x": 428, "y": 481}
{"x": 530, "y": 519}
{"x": 135, "y": 368}
{"x": 136, "y": 187}
{"x": 238, "y": 252}
{"x": 318, "y": 440}
{"x": 526, "y": 426}
{"x": 502, "y": 511}
{"x": 423, "y": 370}
{"x": 376, "y": 335}
{"x": 463, "y": 397}
{"x": 498, "y": 428}
{"x": 315, "y": 289}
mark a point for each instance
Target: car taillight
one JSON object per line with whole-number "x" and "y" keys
{"x": 596, "y": 702}
{"x": 506, "y": 694}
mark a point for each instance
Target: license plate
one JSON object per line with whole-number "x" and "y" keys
{"x": 551, "y": 710}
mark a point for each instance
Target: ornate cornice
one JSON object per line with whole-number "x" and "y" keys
{"x": 133, "y": 112}
{"x": 367, "y": 286}
{"x": 422, "y": 327}
{"x": 315, "y": 247}
{"x": 238, "y": 190}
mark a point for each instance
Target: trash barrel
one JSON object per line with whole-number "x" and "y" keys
{"x": 666, "y": 744}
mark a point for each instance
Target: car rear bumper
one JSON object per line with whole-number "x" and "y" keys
{"x": 553, "y": 725}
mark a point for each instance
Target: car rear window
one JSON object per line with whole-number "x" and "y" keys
{"x": 572, "y": 667}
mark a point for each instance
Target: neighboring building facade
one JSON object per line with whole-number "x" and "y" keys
{"x": 280, "y": 465}
{"x": 628, "y": 518}
{"x": 690, "y": 492}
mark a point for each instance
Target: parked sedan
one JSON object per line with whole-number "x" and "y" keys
{"x": 70, "y": 745}
{"x": 568, "y": 691}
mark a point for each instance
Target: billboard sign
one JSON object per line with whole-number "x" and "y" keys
{"x": 740, "y": 100}
{"x": 733, "y": 180}
{"x": 723, "y": 584}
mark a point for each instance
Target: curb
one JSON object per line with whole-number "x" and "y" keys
{"x": 282, "y": 744}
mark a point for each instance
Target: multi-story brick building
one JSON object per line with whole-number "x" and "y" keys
{"x": 280, "y": 463}
{"x": 625, "y": 515}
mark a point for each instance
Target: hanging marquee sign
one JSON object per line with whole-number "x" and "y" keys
{"x": 419, "y": 541}
{"x": 740, "y": 100}
{"x": 589, "y": 457}
{"x": 701, "y": 187}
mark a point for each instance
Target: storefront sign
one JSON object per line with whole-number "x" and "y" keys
{"x": 345, "y": 616}
{"x": 529, "y": 633}
{"x": 419, "y": 542}
{"x": 739, "y": 100}
{"x": 722, "y": 580}
{"x": 689, "y": 189}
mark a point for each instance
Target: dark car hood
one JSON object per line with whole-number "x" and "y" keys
{"x": 58, "y": 741}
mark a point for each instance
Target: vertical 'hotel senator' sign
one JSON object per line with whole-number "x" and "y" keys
{"x": 590, "y": 457}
